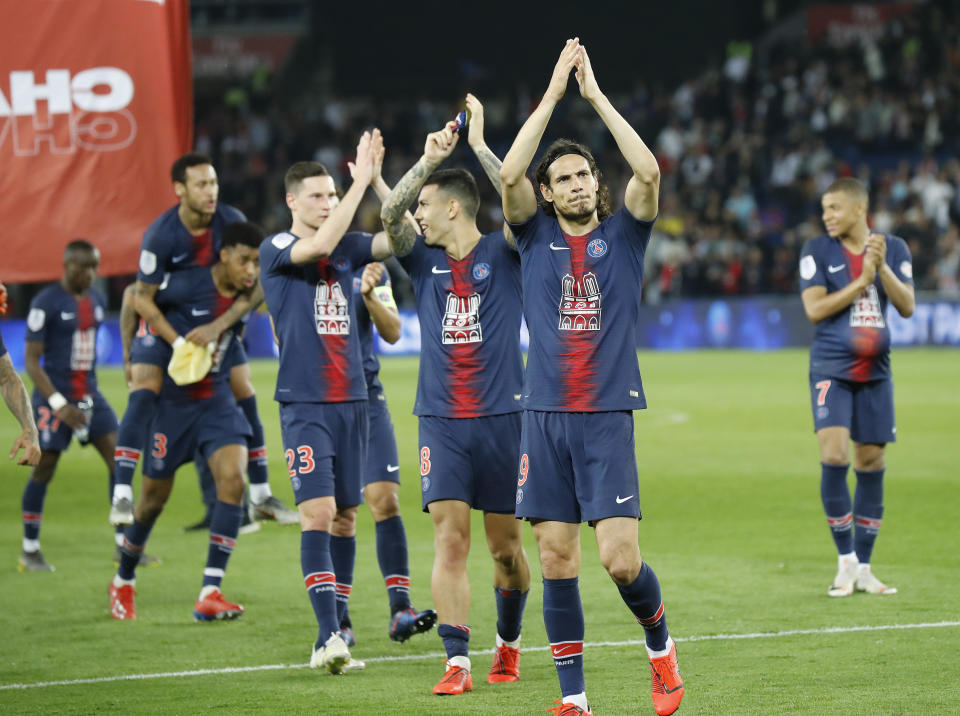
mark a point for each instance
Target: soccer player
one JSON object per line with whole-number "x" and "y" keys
{"x": 308, "y": 276}
{"x": 847, "y": 278}
{"x": 186, "y": 235}
{"x": 375, "y": 306}
{"x": 467, "y": 286}
{"x": 62, "y": 329}
{"x": 17, "y": 400}
{"x": 582, "y": 270}
{"x": 198, "y": 416}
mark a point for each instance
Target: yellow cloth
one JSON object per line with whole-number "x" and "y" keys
{"x": 190, "y": 363}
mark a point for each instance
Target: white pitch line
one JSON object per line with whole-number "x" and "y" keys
{"x": 440, "y": 655}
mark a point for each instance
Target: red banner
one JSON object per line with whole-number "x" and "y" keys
{"x": 844, "y": 24}
{"x": 96, "y": 102}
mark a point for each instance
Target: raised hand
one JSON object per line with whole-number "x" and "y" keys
{"x": 372, "y": 274}
{"x": 475, "y": 128}
{"x": 440, "y": 144}
{"x": 361, "y": 169}
{"x": 378, "y": 151}
{"x": 584, "y": 73}
{"x": 562, "y": 70}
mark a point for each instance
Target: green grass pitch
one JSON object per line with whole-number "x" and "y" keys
{"x": 729, "y": 482}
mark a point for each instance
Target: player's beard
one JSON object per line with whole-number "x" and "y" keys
{"x": 583, "y": 211}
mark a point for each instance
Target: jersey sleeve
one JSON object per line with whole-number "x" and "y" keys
{"x": 525, "y": 230}
{"x": 898, "y": 256}
{"x": 811, "y": 271}
{"x": 411, "y": 261}
{"x": 232, "y": 215}
{"x": 275, "y": 252}
{"x": 40, "y": 312}
{"x": 636, "y": 230}
{"x": 154, "y": 256}
{"x": 358, "y": 245}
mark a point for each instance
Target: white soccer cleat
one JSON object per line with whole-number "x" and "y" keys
{"x": 846, "y": 578}
{"x": 354, "y": 665}
{"x": 334, "y": 656}
{"x": 121, "y": 512}
{"x": 866, "y": 582}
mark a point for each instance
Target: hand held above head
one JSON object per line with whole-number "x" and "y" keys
{"x": 561, "y": 71}
{"x": 440, "y": 144}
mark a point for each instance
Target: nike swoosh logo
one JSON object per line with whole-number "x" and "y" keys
{"x": 436, "y": 270}
{"x": 559, "y": 248}
{"x": 67, "y": 316}
{"x": 181, "y": 257}
{"x": 197, "y": 312}
{"x": 559, "y": 650}
{"x": 834, "y": 269}
{"x": 392, "y": 468}
{"x": 621, "y": 500}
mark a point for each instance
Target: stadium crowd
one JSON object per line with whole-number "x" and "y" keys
{"x": 746, "y": 149}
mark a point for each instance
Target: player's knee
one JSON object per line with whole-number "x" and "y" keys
{"x": 508, "y": 555}
{"x": 230, "y": 487}
{"x": 621, "y": 562}
{"x": 317, "y": 515}
{"x": 831, "y": 455}
{"x": 383, "y": 503}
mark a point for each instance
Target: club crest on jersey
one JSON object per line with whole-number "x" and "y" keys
{"x": 331, "y": 310}
{"x": 580, "y": 303}
{"x": 295, "y": 481}
{"x": 356, "y": 283}
{"x": 461, "y": 320}
{"x": 425, "y": 484}
{"x": 341, "y": 264}
{"x": 597, "y": 248}
{"x": 481, "y": 271}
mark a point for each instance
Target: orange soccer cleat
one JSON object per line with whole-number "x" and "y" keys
{"x": 121, "y": 602}
{"x": 666, "y": 684}
{"x": 506, "y": 665}
{"x": 568, "y": 709}
{"x": 214, "y": 606}
{"x": 456, "y": 680}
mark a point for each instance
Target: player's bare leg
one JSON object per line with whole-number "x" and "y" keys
{"x": 869, "y": 466}
{"x": 382, "y": 497}
{"x": 511, "y": 581}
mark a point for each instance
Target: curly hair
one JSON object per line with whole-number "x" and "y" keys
{"x": 558, "y": 149}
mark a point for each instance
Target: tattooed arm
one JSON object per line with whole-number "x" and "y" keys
{"x": 488, "y": 160}
{"x": 401, "y": 234}
{"x": 16, "y": 398}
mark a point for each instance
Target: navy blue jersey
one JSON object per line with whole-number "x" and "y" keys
{"x": 67, "y": 325}
{"x": 169, "y": 246}
{"x": 384, "y": 292}
{"x": 470, "y": 360}
{"x": 854, "y": 343}
{"x": 582, "y": 305}
{"x": 191, "y": 300}
{"x": 315, "y": 319}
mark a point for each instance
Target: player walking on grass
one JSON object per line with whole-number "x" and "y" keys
{"x": 582, "y": 271}
{"x": 308, "y": 283}
{"x": 185, "y": 236}
{"x": 847, "y": 278}
{"x": 375, "y": 306}
{"x": 200, "y": 417}
{"x": 15, "y": 396}
{"x": 62, "y": 331}
{"x": 468, "y": 294}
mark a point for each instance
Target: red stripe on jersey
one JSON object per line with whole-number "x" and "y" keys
{"x": 577, "y": 348}
{"x": 315, "y": 578}
{"x": 855, "y": 263}
{"x": 566, "y": 649}
{"x": 79, "y": 379}
{"x": 465, "y": 368}
{"x": 397, "y": 580}
{"x": 335, "y": 373}
{"x": 203, "y": 249}
{"x": 654, "y": 619}
{"x": 203, "y": 388}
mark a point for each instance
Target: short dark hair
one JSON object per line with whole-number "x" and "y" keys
{"x": 78, "y": 245}
{"x": 242, "y": 233}
{"x": 851, "y": 187}
{"x": 461, "y": 184}
{"x": 178, "y": 172}
{"x": 300, "y": 171}
{"x": 560, "y": 148}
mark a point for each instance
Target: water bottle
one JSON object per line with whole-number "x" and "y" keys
{"x": 86, "y": 407}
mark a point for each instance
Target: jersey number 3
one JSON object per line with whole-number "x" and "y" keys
{"x": 307, "y": 463}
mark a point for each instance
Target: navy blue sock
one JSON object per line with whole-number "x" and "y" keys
{"x": 867, "y": 511}
{"x": 134, "y": 539}
{"x": 837, "y": 506}
{"x": 642, "y": 596}
{"x": 257, "y": 453}
{"x": 32, "y": 504}
{"x": 394, "y": 566}
{"x": 510, "y": 605}
{"x": 563, "y": 617}
{"x": 208, "y": 487}
{"x": 456, "y": 639}
{"x": 343, "y": 553}
{"x": 224, "y": 528}
{"x": 132, "y": 433}
{"x": 320, "y": 581}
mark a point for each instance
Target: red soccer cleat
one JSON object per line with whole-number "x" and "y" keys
{"x": 121, "y": 602}
{"x": 214, "y": 606}
{"x": 455, "y": 681}
{"x": 506, "y": 665}
{"x": 568, "y": 709}
{"x": 666, "y": 684}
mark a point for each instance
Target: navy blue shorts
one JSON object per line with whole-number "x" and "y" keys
{"x": 866, "y": 409}
{"x": 55, "y": 435}
{"x": 473, "y": 460}
{"x": 182, "y": 428}
{"x": 326, "y": 449}
{"x": 383, "y": 463}
{"x": 577, "y": 467}
{"x": 147, "y": 347}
